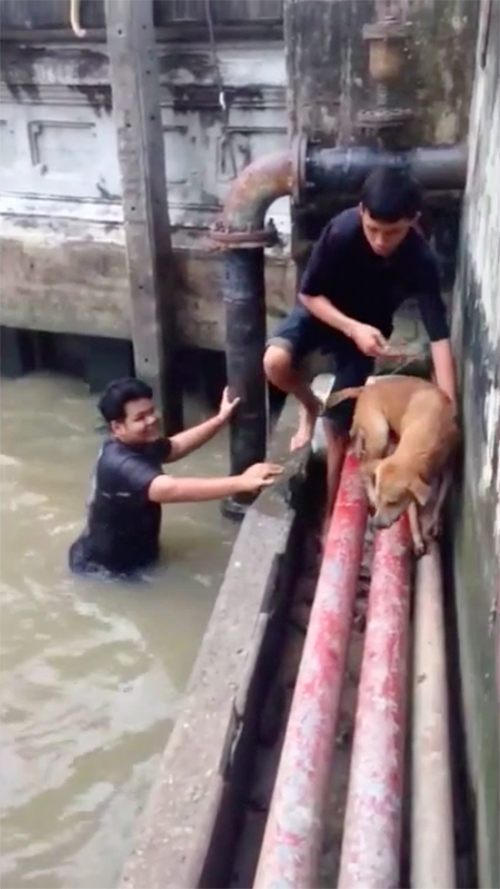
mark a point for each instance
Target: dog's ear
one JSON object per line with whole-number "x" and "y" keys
{"x": 420, "y": 490}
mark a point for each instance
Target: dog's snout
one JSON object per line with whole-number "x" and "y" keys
{"x": 380, "y": 521}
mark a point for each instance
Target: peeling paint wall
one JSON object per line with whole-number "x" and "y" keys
{"x": 476, "y": 334}
{"x": 60, "y": 188}
{"x": 59, "y": 139}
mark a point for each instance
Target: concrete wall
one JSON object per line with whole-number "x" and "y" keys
{"x": 62, "y": 240}
{"x": 476, "y": 331}
{"x": 331, "y": 95}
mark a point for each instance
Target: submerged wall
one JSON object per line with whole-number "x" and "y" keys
{"x": 476, "y": 331}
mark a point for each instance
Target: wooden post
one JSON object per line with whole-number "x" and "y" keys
{"x": 134, "y": 77}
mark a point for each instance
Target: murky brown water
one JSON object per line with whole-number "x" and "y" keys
{"x": 92, "y": 673}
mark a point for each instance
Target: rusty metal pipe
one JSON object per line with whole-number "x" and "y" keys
{"x": 252, "y": 193}
{"x": 292, "y": 840}
{"x": 372, "y": 827}
{"x": 309, "y": 167}
{"x": 432, "y": 855}
{"x": 240, "y": 232}
{"x": 245, "y": 307}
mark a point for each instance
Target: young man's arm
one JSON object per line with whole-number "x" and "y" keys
{"x": 165, "y": 489}
{"x": 191, "y": 439}
{"x": 433, "y": 313}
{"x": 368, "y": 339}
{"x": 444, "y": 368}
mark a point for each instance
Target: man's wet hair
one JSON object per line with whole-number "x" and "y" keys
{"x": 118, "y": 393}
{"x": 390, "y": 195}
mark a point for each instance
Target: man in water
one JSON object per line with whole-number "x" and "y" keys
{"x": 121, "y": 536}
{"x": 367, "y": 260}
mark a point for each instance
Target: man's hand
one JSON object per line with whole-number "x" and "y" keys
{"x": 369, "y": 340}
{"x": 191, "y": 439}
{"x": 227, "y": 406}
{"x": 258, "y": 476}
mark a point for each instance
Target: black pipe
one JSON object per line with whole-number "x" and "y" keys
{"x": 244, "y": 300}
{"x": 344, "y": 170}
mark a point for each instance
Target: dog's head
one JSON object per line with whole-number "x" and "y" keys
{"x": 391, "y": 488}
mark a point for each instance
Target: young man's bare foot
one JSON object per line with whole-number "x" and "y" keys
{"x": 307, "y": 422}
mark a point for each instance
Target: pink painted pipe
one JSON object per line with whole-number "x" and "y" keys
{"x": 372, "y": 826}
{"x": 433, "y": 854}
{"x": 292, "y": 840}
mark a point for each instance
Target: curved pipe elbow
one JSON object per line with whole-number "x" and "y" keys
{"x": 325, "y": 169}
{"x": 256, "y": 188}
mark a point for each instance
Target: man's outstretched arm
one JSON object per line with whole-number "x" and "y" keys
{"x": 191, "y": 439}
{"x": 166, "y": 489}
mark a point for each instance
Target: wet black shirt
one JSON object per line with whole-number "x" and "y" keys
{"x": 123, "y": 526}
{"x": 369, "y": 288}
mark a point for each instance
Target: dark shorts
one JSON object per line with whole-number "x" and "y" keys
{"x": 316, "y": 348}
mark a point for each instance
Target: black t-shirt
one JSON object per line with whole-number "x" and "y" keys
{"x": 369, "y": 288}
{"x": 123, "y": 525}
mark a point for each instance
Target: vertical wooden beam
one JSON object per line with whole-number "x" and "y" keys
{"x": 134, "y": 75}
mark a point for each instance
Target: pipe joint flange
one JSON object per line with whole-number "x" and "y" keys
{"x": 224, "y": 238}
{"x": 384, "y": 118}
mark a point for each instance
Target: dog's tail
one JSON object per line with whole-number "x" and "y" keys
{"x": 342, "y": 395}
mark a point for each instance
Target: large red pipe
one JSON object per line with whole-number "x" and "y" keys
{"x": 372, "y": 826}
{"x": 291, "y": 845}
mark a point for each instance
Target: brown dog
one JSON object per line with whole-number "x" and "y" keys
{"x": 414, "y": 472}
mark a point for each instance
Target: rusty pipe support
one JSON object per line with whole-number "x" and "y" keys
{"x": 311, "y": 167}
{"x": 243, "y": 295}
{"x": 292, "y": 839}
{"x": 241, "y": 234}
{"x": 432, "y": 848}
{"x": 372, "y": 826}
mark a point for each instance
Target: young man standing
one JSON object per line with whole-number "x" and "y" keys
{"x": 367, "y": 260}
{"x": 121, "y": 536}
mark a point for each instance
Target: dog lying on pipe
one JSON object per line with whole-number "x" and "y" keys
{"x": 405, "y": 433}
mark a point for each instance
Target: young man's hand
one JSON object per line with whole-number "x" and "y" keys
{"x": 258, "y": 476}
{"x": 227, "y": 406}
{"x": 369, "y": 340}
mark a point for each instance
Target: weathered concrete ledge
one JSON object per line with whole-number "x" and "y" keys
{"x": 46, "y": 286}
{"x": 195, "y": 807}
